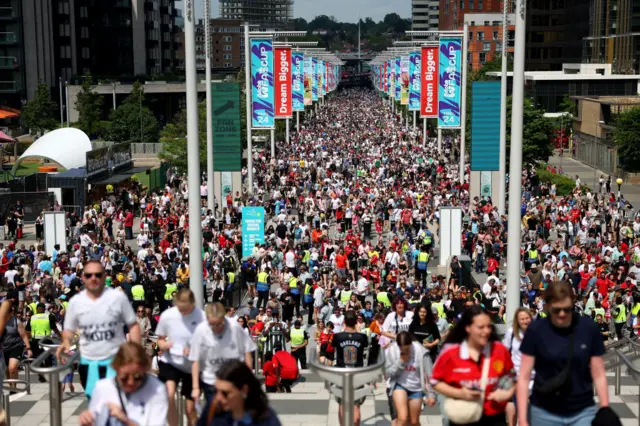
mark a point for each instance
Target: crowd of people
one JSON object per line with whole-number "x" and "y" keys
{"x": 346, "y": 272}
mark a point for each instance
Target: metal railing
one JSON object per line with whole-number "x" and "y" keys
{"x": 632, "y": 367}
{"x": 8, "y": 62}
{"x": 6, "y": 396}
{"x": 349, "y": 383}
{"x": 612, "y": 360}
{"x": 8, "y": 86}
{"x": 50, "y": 346}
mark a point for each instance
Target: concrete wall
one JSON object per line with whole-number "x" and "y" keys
{"x": 139, "y": 43}
{"x": 39, "y": 55}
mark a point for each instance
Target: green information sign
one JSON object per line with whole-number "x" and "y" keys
{"x": 227, "y": 143}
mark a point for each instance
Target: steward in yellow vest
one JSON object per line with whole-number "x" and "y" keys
{"x": 40, "y": 325}
{"x": 383, "y": 297}
{"x": 299, "y": 340}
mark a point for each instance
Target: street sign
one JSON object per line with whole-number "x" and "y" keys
{"x": 227, "y": 143}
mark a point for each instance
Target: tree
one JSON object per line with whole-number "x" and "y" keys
{"x": 626, "y": 136}
{"x": 568, "y": 105}
{"x": 174, "y": 139}
{"x": 133, "y": 121}
{"x": 39, "y": 114}
{"x": 536, "y": 134}
{"x": 89, "y": 107}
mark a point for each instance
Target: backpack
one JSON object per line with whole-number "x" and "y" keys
{"x": 228, "y": 263}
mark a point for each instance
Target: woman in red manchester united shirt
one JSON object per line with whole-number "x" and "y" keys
{"x": 458, "y": 369}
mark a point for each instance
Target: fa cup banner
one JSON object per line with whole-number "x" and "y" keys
{"x": 450, "y": 91}
{"x": 262, "y": 90}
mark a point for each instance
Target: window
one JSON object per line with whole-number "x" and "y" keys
{"x": 227, "y": 48}
{"x": 480, "y": 35}
{"x": 495, "y": 35}
{"x": 84, "y": 12}
{"x": 470, "y": 4}
{"x": 461, "y": 4}
{"x": 84, "y": 32}
{"x": 65, "y": 30}
{"x": 227, "y": 65}
{"x": 227, "y": 39}
{"x": 63, "y": 8}
{"x": 486, "y": 46}
{"x": 487, "y": 23}
{"x": 483, "y": 58}
{"x": 480, "y": 4}
{"x": 85, "y": 53}
{"x": 65, "y": 52}
{"x": 471, "y": 35}
{"x": 227, "y": 56}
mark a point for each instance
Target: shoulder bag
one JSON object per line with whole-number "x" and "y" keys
{"x": 549, "y": 391}
{"x": 464, "y": 412}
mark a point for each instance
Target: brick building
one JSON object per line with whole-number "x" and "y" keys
{"x": 485, "y": 37}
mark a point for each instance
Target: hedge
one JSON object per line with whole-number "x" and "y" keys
{"x": 564, "y": 185}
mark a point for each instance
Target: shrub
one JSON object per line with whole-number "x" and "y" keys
{"x": 564, "y": 185}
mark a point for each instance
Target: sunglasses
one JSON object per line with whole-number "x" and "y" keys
{"x": 140, "y": 310}
{"x": 136, "y": 378}
{"x": 558, "y": 310}
{"x": 90, "y": 275}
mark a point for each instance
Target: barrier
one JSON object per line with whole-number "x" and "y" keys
{"x": 633, "y": 365}
{"x": 349, "y": 383}
{"x": 50, "y": 346}
{"x": 6, "y": 395}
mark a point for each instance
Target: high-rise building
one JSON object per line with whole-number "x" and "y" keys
{"x": 268, "y": 14}
{"x": 424, "y": 15}
{"x": 452, "y": 12}
{"x": 614, "y": 35}
{"x": 555, "y": 29}
{"x": 74, "y": 37}
{"x": 227, "y": 45}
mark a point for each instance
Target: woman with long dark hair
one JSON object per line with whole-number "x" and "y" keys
{"x": 474, "y": 370}
{"x": 239, "y": 399}
{"x": 425, "y": 330}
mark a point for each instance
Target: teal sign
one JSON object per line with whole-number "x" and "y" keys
{"x": 227, "y": 142}
{"x": 252, "y": 228}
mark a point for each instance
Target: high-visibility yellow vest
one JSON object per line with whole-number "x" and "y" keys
{"x": 533, "y": 254}
{"x": 169, "y": 289}
{"x": 33, "y": 306}
{"x": 542, "y": 314}
{"x": 231, "y": 276}
{"x": 263, "y": 282}
{"x": 599, "y": 311}
{"x": 306, "y": 257}
{"x": 137, "y": 291}
{"x": 383, "y": 297}
{"x": 622, "y": 314}
{"x": 345, "y": 296}
{"x": 297, "y": 336}
{"x": 307, "y": 288}
{"x": 65, "y": 306}
{"x": 293, "y": 282}
{"x": 423, "y": 260}
{"x": 440, "y": 307}
{"x": 635, "y": 309}
{"x": 40, "y": 326}
{"x": 427, "y": 239}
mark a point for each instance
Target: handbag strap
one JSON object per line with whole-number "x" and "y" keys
{"x": 484, "y": 379}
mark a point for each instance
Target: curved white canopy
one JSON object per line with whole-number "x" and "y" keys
{"x": 66, "y": 147}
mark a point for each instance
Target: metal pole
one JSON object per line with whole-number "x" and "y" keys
{"x": 347, "y": 400}
{"x": 193, "y": 156}
{"x": 618, "y": 382}
{"x": 247, "y": 79}
{"x": 297, "y": 121}
{"x": 424, "y": 130}
{"x": 55, "y": 400}
{"x": 287, "y": 123}
{"x": 66, "y": 91}
{"x": 6, "y": 404}
{"x": 140, "y": 109}
{"x": 113, "y": 95}
{"x": 210, "y": 168}
{"x": 414, "y": 120}
{"x": 61, "y": 103}
{"x": 515, "y": 165}
{"x": 273, "y": 143}
{"x": 463, "y": 109}
{"x": 439, "y": 140}
{"x": 502, "y": 197}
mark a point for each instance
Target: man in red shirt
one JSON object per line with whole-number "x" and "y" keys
{"x": 286, "y": 367}
{"x": 128, "y": 224}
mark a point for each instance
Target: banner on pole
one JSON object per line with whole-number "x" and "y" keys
{"x": 398, "y": 79}
{"x": 321, "y": 69}
{"x": 450, "y": 82}
{"x": 282, "y": 70}
{"x": 314, "y": 79}
{"x": 227, "y": 124}
{"x": 392, "y": 78}
{"x": 386, "y": 78}
{"x": 404, "y": 80}
{"x": 415, "y": 66}
{"x": 308, "y": 84}
{"x": 429, "y": 82}
{"x": 262, "y": 90}
{"x": 297, "y": 83}
{"x": 252, "y": 228}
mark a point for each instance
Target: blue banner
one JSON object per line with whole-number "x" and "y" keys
{"x": 450, "y": 80}
{"x": 297, "y": 80}
{"x": 262, "y": 89}
{"x": 314, "y": 79}
{"x": 415, "y": 66}
{"x": 485, "y": 126}
{"x": 252, "y": 228}
{"x": 398, "y": 79}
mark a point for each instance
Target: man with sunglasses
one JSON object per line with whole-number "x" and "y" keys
{"x": 99, "y": 314}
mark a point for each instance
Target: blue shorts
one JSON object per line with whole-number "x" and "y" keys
{"x": 410, "y": 394}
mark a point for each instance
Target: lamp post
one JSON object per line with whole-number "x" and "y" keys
{"x": 619, "y": 182}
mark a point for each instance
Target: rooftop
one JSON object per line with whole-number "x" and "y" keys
{"x": 573, "y": 72}
{"x": 611, "y": 100}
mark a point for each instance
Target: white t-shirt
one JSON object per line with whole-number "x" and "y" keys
{"x": 394, "y": 324}
{"x": 9, "y": 275}
{"x": 178, "y": 330}
{"x": 101, "y": 322}
{"x": 211, "y": 350}
{"x": 147, "y": 406}
{"x": 338, "y": 322}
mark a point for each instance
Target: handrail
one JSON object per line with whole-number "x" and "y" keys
{"x": 36, "y": 364}
{"x": 617, "y": 344}
{"x": 15, "y": 382}
{"x": 348, "y": 370}
{"x": 44, "y": 343}
{"x": 635, "y": 371}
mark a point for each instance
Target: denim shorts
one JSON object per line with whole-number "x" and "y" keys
{"x": 541, "y": 417}
{"x": 410, "y": 394}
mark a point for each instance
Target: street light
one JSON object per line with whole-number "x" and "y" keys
{"x": 619, "y": 182}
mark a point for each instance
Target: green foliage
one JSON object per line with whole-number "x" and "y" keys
{"x": 89, "y": 107}
{"x": 174, "y": 139}
{"x": 39, "y": 114}
{"x": 627, "y": 137}
{"x": 132, "y": 121}
{"x": 564, "y": 185}
{"x": 568, "y": 105}
{"x": 536, "y": 135}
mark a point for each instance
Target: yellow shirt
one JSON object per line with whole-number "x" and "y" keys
{"x": 182, "y": 275}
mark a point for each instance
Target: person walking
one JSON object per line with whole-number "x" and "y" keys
{"x": 40, "y": 326}
{"x": 299, "y": 341}
{"x": 99, "y": 314}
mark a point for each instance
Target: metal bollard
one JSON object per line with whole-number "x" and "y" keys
{"x": 6, "y": 404}
{"x": 618, "y": 382}
{"x": 180, "y": 405}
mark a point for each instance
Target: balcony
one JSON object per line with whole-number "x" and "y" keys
{"x": 8, "y": 38}
{"x": 8, "y": 13}
{"x": 8, "y": 62}
{"x": 8, "y": 86}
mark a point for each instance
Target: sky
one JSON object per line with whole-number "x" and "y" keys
{"x": 343, "y": 10}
